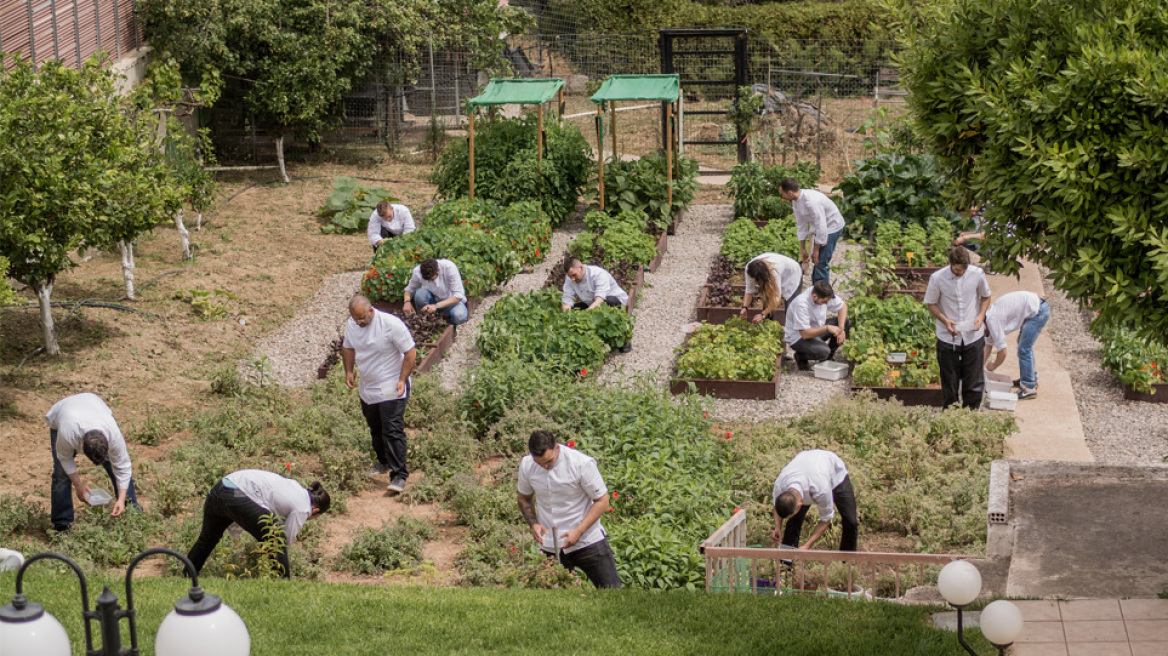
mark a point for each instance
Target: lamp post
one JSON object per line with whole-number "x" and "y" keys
{"x": 1001, "y": 622}
{"x": 199, "y": 624}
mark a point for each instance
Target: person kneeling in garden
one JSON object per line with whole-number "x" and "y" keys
{"x": 436, "y": 286}
{"x": 812, "y": 336}
{"x": 958, "y": 297}
{"x": 821, "y": 477}
{"x": 388, "y": 220}
{"x": 1027, "y": 313}
{"x": 572, "y": 497}
{"x": 771, "y": 276}
{"x": 247, "y": 497}
{"x": 587, "y": 286}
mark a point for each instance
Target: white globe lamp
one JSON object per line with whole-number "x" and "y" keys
{"x": 1001, "y": 623}
{"x": 27, "y": 630}
{"x": 959, "y": 583}
{"x": 200, "y": 626}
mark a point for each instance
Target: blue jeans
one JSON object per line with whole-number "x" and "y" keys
{"x": 61, "y": 493}
{"x": 455, "y": 314}
{"x": 821, "y": 270}
{"x": 1027, "y": 335}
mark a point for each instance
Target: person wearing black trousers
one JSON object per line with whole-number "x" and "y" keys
{"x": 818, "y": 477}
{"x": 958, "y": 297}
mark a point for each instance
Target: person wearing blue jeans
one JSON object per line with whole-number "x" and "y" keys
{"x": 1026, "y": 313}
{"x": 61, "y": 497}
{"x": 817, "y": 220}
{"x": 436, "y": 286}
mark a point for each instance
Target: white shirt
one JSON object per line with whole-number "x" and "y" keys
{"x": 959, "y": 298}
{"x": 814, "y": 474}
{"x": 1007, "y": 314}
{"x": 789, "y": 272}
{"x": 401, "y": 223}
{"x": 282, "y": 496}
{"x": 804, "y": 313}
{"x": 447, "y": 284}
{"x": 564, "y": 494}
{"x": 380, "y": 350}
{"x": 74, "y": 416}
{"x": 816, "y": 214}
{"x": 596, "y": 282}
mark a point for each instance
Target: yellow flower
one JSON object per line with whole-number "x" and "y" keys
{"x": 895, "y": 373}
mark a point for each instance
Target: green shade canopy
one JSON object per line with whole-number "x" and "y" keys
{"x": 518, "y": 91}
{"x": 638, "y": 87}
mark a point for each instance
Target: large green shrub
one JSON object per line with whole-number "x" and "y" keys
{"x": 640, "y": 185}
{"x": 507, "y": 170}
{"x": 893, "y": 187}
{"x": 755, "y": 188}
{"x": 743, "y": 240}
{"x": 1053, "y": 112}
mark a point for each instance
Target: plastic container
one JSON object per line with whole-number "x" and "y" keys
{"x": 897, "y": 358}
{"x": 98, "y": 497}
{"x": 1002, "y": 400}
{"x": 691, "y": 327}
{"x": 998, "y": 386}
{"x": 828, "y": 370}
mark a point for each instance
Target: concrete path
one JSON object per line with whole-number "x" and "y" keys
{"x": 1049, "y": 425}
{"x": 1093, "y": 627}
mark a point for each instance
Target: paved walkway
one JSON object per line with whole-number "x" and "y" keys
{"x": 1049, "y": 427}
{"x": 1093, "y": 627}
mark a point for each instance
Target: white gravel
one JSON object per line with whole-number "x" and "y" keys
{"x": 1118, "y": 431}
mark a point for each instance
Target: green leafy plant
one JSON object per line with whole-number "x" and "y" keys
{"x": 19, "y": 516}
{"x": 735, "y": 350}
{"x": 1137, "y": 361}
{"x": 906, "y": 189}
{"x": 755, "y": 188}
{"x": 743, "y": 240}
{"x": 389, "y": 548}
{"x": 894, "y": 324}
{"x": 872, "y": 372}
{"x": 641, "y": 185}
{"x": 349, "y": 205}
{"x": 209, "y": 304}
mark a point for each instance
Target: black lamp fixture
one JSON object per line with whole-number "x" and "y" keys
{"x": 199, "y": 624}
{"x": 1001, "y": 622}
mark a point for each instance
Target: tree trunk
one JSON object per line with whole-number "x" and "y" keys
{"x": 183, "y": 235}
{"x": 44, "y": 292}
{"x": 280, "y": 157}
{"x": 127, "y": 248}
{"x": 199, "y": 222}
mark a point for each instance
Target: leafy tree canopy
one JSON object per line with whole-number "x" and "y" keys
{"x": 1053, "y": 112}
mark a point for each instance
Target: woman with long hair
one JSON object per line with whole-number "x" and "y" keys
{"x": 772, "y": 277}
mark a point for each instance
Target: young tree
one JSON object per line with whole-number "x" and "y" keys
{"x": 76, "y": 169}
{"x": 1054, "y": 113}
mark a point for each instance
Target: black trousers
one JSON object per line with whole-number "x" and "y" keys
{"x": 385, "y": 234}
{"x": 818, "y": 348}
{"x": 844, "y": 499}
{"x": 609, "y": 300}
{"x": 387, "y": 430}
{"x": 223, "y": 507}
{"x": 597, "y": 563}
{"x": 962, "y": 373}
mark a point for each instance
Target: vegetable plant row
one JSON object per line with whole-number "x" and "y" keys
{"x": 897, "y": 324}
{"x": 755, "y": 188}
{"x": 737, "y": 359}
{"x": 1137, "y": 362}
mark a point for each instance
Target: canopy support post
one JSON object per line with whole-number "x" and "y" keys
{"x": 600, "y": 149}
{"x": 470, "y": 134}
{"x": 669, "y": 154}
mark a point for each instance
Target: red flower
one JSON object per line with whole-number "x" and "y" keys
{"x": 705, "y": 416}
{"x": 583, "y": 372}
{"x": 729, "y": 434}
{"x": 610, "y": 509}
{"x": 512, "y": 548}
{"x": 478, "y": 405}
{"x": 615, "y": 495}
{"x": 537, "y": 252}
{"x": 737, "y": 510}
{"x": 572, "y": 444}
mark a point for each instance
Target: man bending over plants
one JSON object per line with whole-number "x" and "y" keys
{"x": 812, "y": 336}
{"x": 572, "y": 497}
{"x": 587, "y": 286}
{"x": 771, "y": 276}
{"x": 388, "y": 220}
{"x": 436, "y": 286}
{"x": 1027, "y": 313}
{"x": 816, "y": 219}
{"x": 821, "y": 477}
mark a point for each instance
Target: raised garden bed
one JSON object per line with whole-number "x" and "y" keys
{"x": 1159, "y": 394}
{"x": 720, "y": 313}
{"x": 435, "y": 351}
{"x": 767, "y": 390}
{"x": 672, "y": 229}
{"x": 736, "y": 348}
{"x": 633, "y": 288}
{"x": 909, "y": 273}
{"x": 662, "y": 247}
{"x": 928, "y": 396}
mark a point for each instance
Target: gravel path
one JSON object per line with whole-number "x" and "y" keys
{"x": 1118, "y": 431}
{"x": 296, "y": 348}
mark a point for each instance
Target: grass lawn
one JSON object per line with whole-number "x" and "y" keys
{"x": 288, "y": 618}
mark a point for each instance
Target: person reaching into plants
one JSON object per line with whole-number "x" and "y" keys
{"x": 436, "y": 286}
{"x": 817, "y": 220}
{"x": 381, "y": 347}
{"x": 818, "y": 477}
{"x": 771, "y": 276}
{"x": 83, "y": 422}
{"x": 1027, "y": 313}
{"x": 388, "y": 220}
{"x": 958, "y": 297}
{"x": 246, "y": 497}
{"x": 812, "y": 336}
{"x": 587, "y": 286}
{"x": 565, "y": 515}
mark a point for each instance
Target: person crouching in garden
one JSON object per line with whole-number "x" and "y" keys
{"x": 1027, "y": 313}
{"x": 246, "y": 497}
{"x": 958, "y": 297}
{"x": 818, "y": 477}
{"x": 565, "y": 515}
{"x": 812, "y": 336}
{"x": 587, "y": 286}
{"x": 771, "y": 276}
{"x": 382, "y": 349}
{"x": 388, "y": 220}
{"x": 436, "y": 286}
